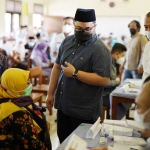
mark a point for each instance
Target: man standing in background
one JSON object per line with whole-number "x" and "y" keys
{"x": 135, "y": 48}
{"x": 68, "y": 29}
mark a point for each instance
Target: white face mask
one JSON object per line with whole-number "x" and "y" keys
{"x": 147, "y": 34}
{"x": 67, "y": 28}
{"x": 120, "y": 60}
{"x": 139, "y": 118}
{"x": 31, "y": 44}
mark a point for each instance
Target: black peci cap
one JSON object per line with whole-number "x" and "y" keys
{"x": 85, "y": 15}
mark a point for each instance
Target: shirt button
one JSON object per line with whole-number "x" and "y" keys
{"x": 60, "y": 92}
{"x": 62, "y": 83}
{"x": 73, "y": 53}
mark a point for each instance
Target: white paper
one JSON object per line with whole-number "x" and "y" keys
{"x": 124, "y": 88}
{"x": 137, "y": 147}
{"x": 136, "y": 82}
{"x": 134, "y": 125}
{"x": 117, "y": 130}
{"x": 134, "y": 90}
{"x": 76, "y": 143}
{"x": 116, "y": 122}
{"x": 132, "y": 141}
{"x": 93, "y": 131}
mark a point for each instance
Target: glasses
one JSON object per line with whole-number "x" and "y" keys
{"x": 88, "y": 29}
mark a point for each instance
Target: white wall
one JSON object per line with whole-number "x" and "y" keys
{"x": 137, "y": 8}
{"x": 2, "y": 16}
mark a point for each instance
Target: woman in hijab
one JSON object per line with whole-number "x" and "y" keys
{"x": 19, "y": 124}
{"x": 40, "y": 58}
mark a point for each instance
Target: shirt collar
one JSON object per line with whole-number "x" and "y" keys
{"x": 135, "y": 35}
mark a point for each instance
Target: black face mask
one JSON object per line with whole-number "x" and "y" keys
{"x": 132, "y": 31}
{"x": 82, "y": 36}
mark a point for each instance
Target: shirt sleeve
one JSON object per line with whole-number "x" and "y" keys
{"x": 53, "y": 45}
{"x": 22, "y": 124}
{"x": 102, "y": 62}
{"x": 113, "y": 83}
{"x": 38, "y": 62}
{"x": 143, "y": 43}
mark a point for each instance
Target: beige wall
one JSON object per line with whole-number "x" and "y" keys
{"x": 68, "y": 8}
{"x": 2, "y": 16}
{"x": 122, "y": 8}
{"x": 24, "y": 19}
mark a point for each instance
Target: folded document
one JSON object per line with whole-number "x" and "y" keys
{"x": 130, "y": 140}
{"x": 93, "y": 131}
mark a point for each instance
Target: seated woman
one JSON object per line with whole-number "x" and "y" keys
{"x": 40, "y": 58}
{"x": 20, "y": 126}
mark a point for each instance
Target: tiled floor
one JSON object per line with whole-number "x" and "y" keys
{"x": 53, "y": 129}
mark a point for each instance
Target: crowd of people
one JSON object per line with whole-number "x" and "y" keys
{"x": 81, "y": 71}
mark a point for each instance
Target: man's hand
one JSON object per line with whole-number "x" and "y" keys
{"x": 140, "y": 69}
{"x": 48, "y": 125}
{"x": 54, "y": 54}
{"x": 69, "y": 70}
{"x": 146, "y": 133}
{"x": 51, "y": 64}
{"x": 49, "y": 102}
{"x": 121, "y": 68}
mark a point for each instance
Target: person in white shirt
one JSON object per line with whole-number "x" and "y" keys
{"x": 146, "y": 54}
{"x": 68, "y": 29}
{"x": 19, "y": 48}
{"x": 6, "y": 45}
{"x": 142, "y": 112}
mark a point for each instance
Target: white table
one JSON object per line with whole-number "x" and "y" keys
{"x": 81, "y": 132}
{"x": 118, "y": 96}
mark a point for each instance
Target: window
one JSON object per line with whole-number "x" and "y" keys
{"x": 12, "y": 16}
{"x": 37, "y": 20}
{"x": 37, "y": 16}
{"x": 38, "y": 9}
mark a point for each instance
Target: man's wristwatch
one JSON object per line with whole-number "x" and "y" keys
{"x": 74, "y": 75}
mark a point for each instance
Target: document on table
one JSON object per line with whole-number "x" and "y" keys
{"x": 116, "y": 122}
{"x": 134, "y": 125}
{"x": 133, "y": 90}
{"x": 76, "y": 143}
{"x": 132, "y": 141}
{"x": 117, "y": 130}
{"x": 124, "y": 88}
{"x": 137, "y": 148}
{"x": 136, "y": 82}
{"x": 93, "y": 131}
{"x": 125, "y": 123}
